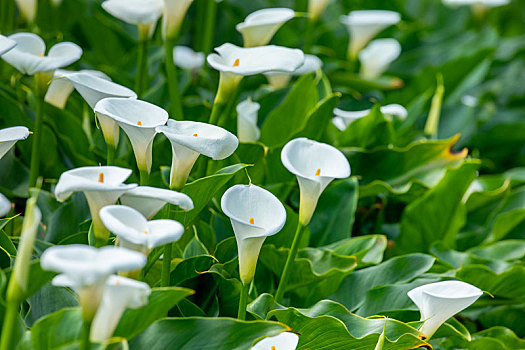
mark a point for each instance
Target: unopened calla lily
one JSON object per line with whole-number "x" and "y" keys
{"x": 5, "y": 205}
{"x": 149, "y": 200}
{"x": 344, "y": 118}
{"x": 28, "y": 9}
{"x": 173, "y": 15}
{"x": 247, "y": 129}
{"x": 9, "y": 136}
{"x": 260, "y": 26}
{"x": 377, "y": 56}
{"x": 316, "y": 8}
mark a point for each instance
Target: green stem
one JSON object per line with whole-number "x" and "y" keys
{"x": 200, "y": 10}
{"x": 173, "y": 82}
{"x": 111, "y": 154}
{"x": 144, "y": 177}
{"x": 216, "y": 112}
{"x": 241, "y": 314}
{"x": 289, "y": 263}
{"x": 309, "y": 35}
{"x": 209, "y": 25}
{"x": 166, "y": 266}
{"x": 7, "y": 341}
{"x": 37, "y": 138}
{"x": 84, "y": 341}
{"x": 230, "y": 106}
{"x": 142, "y": 68}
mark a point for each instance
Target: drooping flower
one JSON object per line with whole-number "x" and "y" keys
{"x": 363, "y": 26}
{"x": 279, "y": 80}
{"x": 260, "y": 26}
{"x": 142, "y": 13}
{"x": 247, "y": 129}
{"x": 28, "y": 9}
{"x": 6, "y": 44}
{"x": 316, "y": 165}
{"x": 377, "y": 56}
{"x": 135, "y": 232}
{"x": 255, "y": 214}
{"x": 9, "y": 136}
{"x": 5, "y": 205}
{"x": 283, "y": 341}
{"x": 85, "y": 269}
{"x": 190, "y": 139}
{"x": 344, "y": 118}
{"x": 149, "y": 200}
{"x": 437, "y": 302}
{"x": 316, "y": 8}
{"x": 101, "y": 185}
{"x": 186, "y": 58}
{"x": 138, "y": 119}
{"x": 119, "y": 294}
{"x": 173, "y": 15}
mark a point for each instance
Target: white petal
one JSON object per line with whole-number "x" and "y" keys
{"x": 488, "y": 3}
{"x": 164, "y": 231}
{"x": 173, "y": 15}
{"x": 344, "y": 118}
{"x": 395, "y": 110}
{"x": 439, "y": 301}
{"x": 9, "y": 136}
{"x": 260, "y": 26}
{"x": 138, "y": 119}
{"x": 255, "y": 60}
{"x": 283, "y": 341}
{"x": 377, "y": 56}
{"x": 126, "y": 223}
{"x": 247, "y": 129}
{"x": 5, "y": 205}
{"x": 134, "y": 11}
{"x": 278, "y": 80}
{"x": 186, "y": 58}
{"x": 311, "y": 64}
{"x": 149, "y": 200}
{"x": 6, "y": 44}
{"x": 28, "y": 9}
{"x": 316, "y": 8}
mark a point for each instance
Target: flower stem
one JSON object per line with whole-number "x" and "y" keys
{"x": 173, "y": 82}
{"x": 7, "y": 341}
{"x": 144, "y": 177}
{"x": 111, "y": 154}
{"x": 37, "y": 138}
{"x": 241, "y": 314}
{"x": 142, "y": 68}
{"x": 84, "y": 341}
{"x": 216, "y": 111}
{"x": 209, "y": 25}
{"x": 166, "y": 266}
{"x": 289, "y": 263}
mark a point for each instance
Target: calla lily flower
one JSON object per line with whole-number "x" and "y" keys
{"x": 247, "y": 129}
{"x": 138, "y": 119}
{"x": 377, "y": 56}
{"x": 142, "y": 13}
{"x": 486, "y": 3}
{"x": 101, "y": 185}
{"x": 6, "y": 44}
{"x": 5, "y": 205}
{"x": 316, "y": 8}
{"x": 437, "y": 302}
{"x": 28, "y": 9}
{"x": 149, "y": 200}
{"x": 173, "y": 16}
{"x": 365, "y": 25}
{"x": 9, "y": 136}
{"x": 260, "y": 26}
{"x": 315, "y": 164}
{"x": 344, "y": 118}
{"x": 190, "y": 139}
{"x": 283, "y": 341}
{"x": 186, "y": 58}
{"x": 120, "y": 293}
{"x": 255, "y": 214}
{"x": 278, "y": 80}
{"x": 85, "y": 269}
{"x": 28, "y": 55}
{"x": 135, "y": 232}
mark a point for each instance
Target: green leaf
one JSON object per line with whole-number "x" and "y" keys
{"x": 507, "y": 284}
{"x": 371, "y": 131}
{"x": 190, "y": 268}
{"x": 37, "y": 278}
{"x": 319, "y": 118}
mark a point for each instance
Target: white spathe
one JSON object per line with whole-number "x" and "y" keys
{"x": 247, "y": 129}
{"x": 142, "y": 13}
{"x": 283, "y": 341}
{"x": 316, "y": 8}
{"x": 28, "y": 9}
{"x": 364, "y": 25}
{"x": 6, "y": 44}
{"x": 119, "y": 294}
{"x": 487, "y": 3}
{"x": 437, "y": 302}
{"x": 5, "y": 206}
{"x": 136, "y": 232}
{"x": 255, "y": 214}
{"x": 344, "y": 118}
{"x": 315, "y": 164}
{"x": 138, "y": 119}
{"x": 174, "y": 12}
{"x": 149, "y": 200}
{"x": 9, "y": 136}
{"x": 28, "y": 56}
{"x": 260, "y": 26}
{"x": 377, "y": 56}
{"x": 186, "y": 58}
{"x": 279, "y": 80}
{"x": 188, "y": 140}
{"x": 102, "y": 185}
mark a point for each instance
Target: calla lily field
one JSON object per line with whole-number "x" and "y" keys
{"x": 264, "y": 175}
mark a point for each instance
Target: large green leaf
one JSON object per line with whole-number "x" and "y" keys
{"x": 371, "y": 131}
{"x": 507, "y": 284}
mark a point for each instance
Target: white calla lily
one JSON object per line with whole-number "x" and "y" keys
{"x": 377, "y": 56}
{"x": 101, "y": 185}
{"x": 437, "y": 302}
{"x": 6, "y": 44}
{"x": 28, "y": 54}
{"x": 186, "y": 58}
{"x": 142, "y": 13}
{"x": 9, "y": 136}
{"x": 344, "y": 118}
{"x": 120, "y": 293}
{"x": 487, "y": 3}
{"x": 173, "y": 16}
{"x": 283, "y": 341}
{"x": 364, "y": 25}
{"x": 138, "y": 119}
{"x": 28, "y": 9}
{"x": 247, "y": 129}
{"x": 316, "y": 165}
{"x": 316, "y": 8}
{"x": 279, "y": 80}
{"x": 85, "y": 269}
{"x": 190, "y": 139}
{"x": 136, "y": 232}
{"x": 255, "y": 214}
{"x": 149, "y": 200}
{"x": 5, "y": 205}
{"x": 260, "y": 26}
